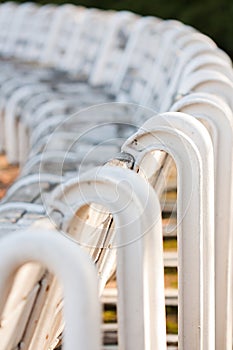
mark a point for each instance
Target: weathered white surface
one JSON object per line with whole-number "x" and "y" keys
{"x": 218, "y": 118}
{"x": 81, "y": 309}
{"x": 137, "y": 224}
{"x": 192, "y": 151}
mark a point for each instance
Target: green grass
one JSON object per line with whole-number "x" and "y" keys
{"x": 171, "y": 319}
{"x": 170, "y": 244}
{"x": 110, "y": 313}
{"x": 110, "y": 316}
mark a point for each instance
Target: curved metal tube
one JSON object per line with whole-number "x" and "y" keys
{"x": 192, "y": 151}
{"x": 67, "y": 261}
{"x": 218, "y": 118}
{"x": 136, "y": 212}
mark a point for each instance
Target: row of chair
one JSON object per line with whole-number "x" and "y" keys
{"x": 77, "y": 88}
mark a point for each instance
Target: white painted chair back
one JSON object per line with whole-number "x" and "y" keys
{"x": 66, "y": 24}
{"x": 189, "y": 143}
{"x": 137, "y": 239}
{"x": 218, "y": 118}
{"x": 44, "y": 246}
{"x": 87, "y": 42}
{"x": 7, "y": 14}
{"x": 207, "y": 81}
{"x": 40, "y": 32}
{"x": 112, "y": 51}
{"x": 20, "y": 28}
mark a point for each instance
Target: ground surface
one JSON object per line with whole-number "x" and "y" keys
{"x": 8, "y": 173}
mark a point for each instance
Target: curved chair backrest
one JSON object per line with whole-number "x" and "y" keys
{"x": 210, "y": 82}
{"x": 189, "y": 143}
{"x": 218, "y": 118}
{"x": 138, "y": 241}
{"x": 82, "y": 309}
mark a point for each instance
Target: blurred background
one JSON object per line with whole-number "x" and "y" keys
{"x": 211, "y": 17}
